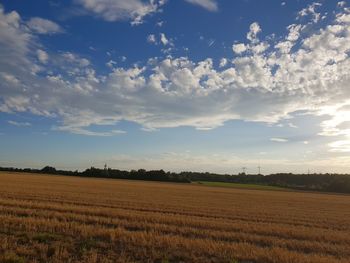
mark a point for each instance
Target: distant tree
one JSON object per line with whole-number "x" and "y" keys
{"x": 48, "y": 170}
{"x": 316, "y": 182}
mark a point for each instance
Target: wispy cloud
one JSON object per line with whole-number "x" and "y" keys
{"x": 210, "y": 5}
{"x": 162, "y": 39}
{"x": 264, "y": 80}
{"x": 121, "y": 10}
{"x": 81, "y": 131}
{"x": 19, "y": 124}
{"x": 342, "y": 146}
{"x": 278, "y": 140}
{"x": 44, "y": 26}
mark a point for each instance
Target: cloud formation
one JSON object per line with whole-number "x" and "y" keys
{"x": 162, "y": 39}
{"x": 210, "y": 5}
{"x": 311, "y": 11}
{"x": 278, "y": 140}
{"x": 265, "y": 80}
{"x": 19, "y": 124}
{"x": 43, "y": 26}
{"x": 121, "y": 10}
{"x": 42, "y": 56}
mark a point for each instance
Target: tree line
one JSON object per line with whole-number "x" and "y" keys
{"x": 312, "y": 182}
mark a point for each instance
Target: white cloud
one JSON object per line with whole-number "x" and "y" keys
{"x": 19, "y": 124}
{"x": 151, "y": 38}
{"x": 81, "y": 131}
{"x": 42, "y": 56}
{"x": 121, "y": 10}
{"x": 239, "y": 48}
{"x": 341, "y": 3}
{"x": 15, "y": 103}
{"x": 15, "y": 43}
{"x": 338, "y": 126}
{"x": 253, "y": 32}
{"x": 210, "y": 5}
{"x": 10, "y": 79}
{"x": 311, "y": 10}
{"x": 278, "y": 140}
{"x": 223, "y": 62}
{"x": 259, "y": 47}
{"x": 292, "y": 125}
{"x": 342, "y": 146}
{"x": 160, "y": 23}
{"x": 163, "y": 39}
{"x": 339, "y": 115}
{"x": 294, "y": 32}
{"x": 343, "y": 18}
{"x": 111, "y": 63}
{"x": 261, "y": 84}
{"x": 43, "y": 26}
{"x": 73, "y": 58}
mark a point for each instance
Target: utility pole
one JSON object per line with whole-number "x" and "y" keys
{"x": 106, "y": 170}
{"x": 259, "y": 169}
{"x": 244, "y": 169}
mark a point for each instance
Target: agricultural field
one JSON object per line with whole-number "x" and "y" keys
{"x": 46, "y": 218}
{"x": 242, "y": 186}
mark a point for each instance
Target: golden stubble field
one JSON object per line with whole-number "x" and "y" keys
{"x": 69, "y": 219}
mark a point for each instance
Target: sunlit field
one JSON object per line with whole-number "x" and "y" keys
{"x": 70, "y": 219}
{"x": 242, "y": 186}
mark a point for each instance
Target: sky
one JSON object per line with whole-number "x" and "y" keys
{"x": 179, "y": 85}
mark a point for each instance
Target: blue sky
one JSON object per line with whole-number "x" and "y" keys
{"x": 204, "y": 85}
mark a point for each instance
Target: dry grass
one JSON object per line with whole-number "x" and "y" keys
{"x": 64, "y": 219}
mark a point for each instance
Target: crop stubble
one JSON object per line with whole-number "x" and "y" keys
{"x": 45, "y": 218}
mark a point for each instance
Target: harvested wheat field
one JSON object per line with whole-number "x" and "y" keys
{"x": 69, "y": 219}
